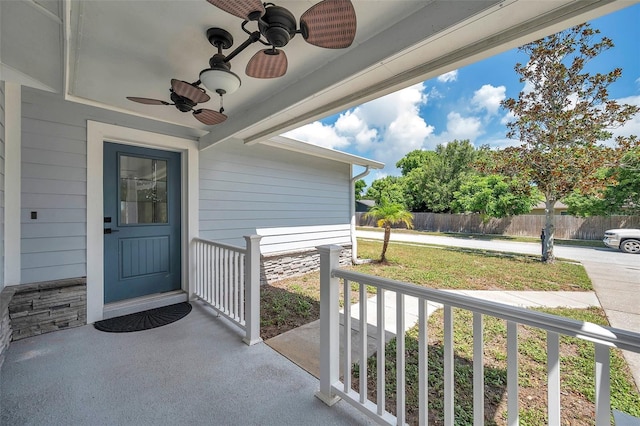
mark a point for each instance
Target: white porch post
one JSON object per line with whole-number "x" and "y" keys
{"x": 252, "y": 290}
{"x": 329, "y": 323}
{"x": 13, "y": 179}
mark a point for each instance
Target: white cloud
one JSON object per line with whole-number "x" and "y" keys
{"x": 631, "y": 127}
{"x": 528, "y": 87}
{"x": 384, "y": 129}
{"x": 488, "y": 97}
{"x": 356, "y": 130}
{"x": 507, "y": 118}
{"x": 448, "y": 77}
{"x": 319, "y": 134}
{"x": 459, "y": 127}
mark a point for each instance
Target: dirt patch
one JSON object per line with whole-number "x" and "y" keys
{"x": 293, "y": 302}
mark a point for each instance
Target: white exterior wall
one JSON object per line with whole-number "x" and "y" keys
{"x": 54, "y": 173}
{"x": 1, "y": 185}
{"x": 54, "y": 183}
{"x": 243, "y": 189}
{"x": 247, "y": 189}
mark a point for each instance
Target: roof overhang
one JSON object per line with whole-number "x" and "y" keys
{"x": 98, "y": 52}
{"x": 321, "y": 152}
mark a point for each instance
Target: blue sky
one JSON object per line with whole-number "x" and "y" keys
{"x": 464, "y": 104}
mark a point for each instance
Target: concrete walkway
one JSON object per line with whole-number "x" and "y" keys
{"x": 302, "y": 345}
{"x": 618, "y": 291}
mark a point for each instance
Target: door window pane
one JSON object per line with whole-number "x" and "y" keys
{"x": 143, "y": 190}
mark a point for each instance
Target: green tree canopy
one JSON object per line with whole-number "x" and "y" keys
{"x": 386, "y": 190}
{"x": 494, "y": 196}
{"x": 431, "y": 186}
{"x": 562, "y": 120}
{"x": 415, "y": 159}
{"x": 360, "y": 185}
{"x": 621, "y": 197}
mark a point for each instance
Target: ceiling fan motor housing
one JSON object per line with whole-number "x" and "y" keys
{"x": 278, "y": 26}
{"x": 217, "y": 62}
{"x": 182, "y": 103}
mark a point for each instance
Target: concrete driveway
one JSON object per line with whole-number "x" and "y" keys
{"x": 615, "y": 275}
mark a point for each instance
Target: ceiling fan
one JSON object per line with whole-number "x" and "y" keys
{"x": 330, "y": 24}
{"x": 185, "y": 96}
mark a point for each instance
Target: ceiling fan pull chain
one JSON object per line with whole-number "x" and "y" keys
{"x": 221, "y": 107}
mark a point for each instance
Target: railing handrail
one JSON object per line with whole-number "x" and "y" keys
{"x": 609, "y": 336}
{"x": 227, "y": 278}
{"x": 226, "y": 246}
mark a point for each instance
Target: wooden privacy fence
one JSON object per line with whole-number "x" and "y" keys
{"x": 567, "y": 227}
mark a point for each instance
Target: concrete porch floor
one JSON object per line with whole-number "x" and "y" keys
{"x": 195, "y": 371}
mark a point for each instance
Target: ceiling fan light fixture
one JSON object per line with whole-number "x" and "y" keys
{"x": 220, "y": 80}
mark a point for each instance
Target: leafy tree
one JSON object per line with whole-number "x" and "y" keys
{"x": 360, "y": 185}
{"x": 387, "y": 215}
{"x": 431, "y": 186}
{"x": 562, "y": 119}
{"x": 386, "y": 190}
{"x": 621, "y": 197}
{"x": 494, "y": 196}
{"x": 415, "y": 159}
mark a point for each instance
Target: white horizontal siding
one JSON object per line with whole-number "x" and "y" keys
{"x": 2, "y": 137}
{"x": 244, "y": 189}
{"x": 53, "y": 244}
{"x": 278, "y": 240}
{"x": 54, "y": 181}
{"x": 54, "y": 187}
{"x": 55, "y": 215}
{"x": 57, "y": 272}
{"x": 77, "y": 173}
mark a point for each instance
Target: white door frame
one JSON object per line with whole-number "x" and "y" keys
{"x": 97, "y": 134}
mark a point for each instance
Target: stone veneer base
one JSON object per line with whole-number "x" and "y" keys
{"x": 276, "y": 267}
{"x": 43, "y": 307}
{"x": 5, "y": 323}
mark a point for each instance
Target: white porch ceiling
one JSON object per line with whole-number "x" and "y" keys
{"x": 114, "y": 49}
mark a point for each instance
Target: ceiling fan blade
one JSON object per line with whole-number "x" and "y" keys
{"x": 189, "y": 91}
{"x": 209, "y": 116}
{"x": 147, "y": 101}
{"x": 330, "y": 23}
{"x": 267, "y": 63}
{"x": 250, "y": 10}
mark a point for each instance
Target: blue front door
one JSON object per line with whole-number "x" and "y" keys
{"x": 141, "y": 222}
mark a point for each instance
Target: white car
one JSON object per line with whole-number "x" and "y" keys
{"x": 627, "y": 240}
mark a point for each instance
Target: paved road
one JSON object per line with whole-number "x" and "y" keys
{"x": 615, "y": 275}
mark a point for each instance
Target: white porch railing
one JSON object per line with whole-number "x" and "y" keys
{"x": 332, "y": 389}
{"x": 228, "y": 280}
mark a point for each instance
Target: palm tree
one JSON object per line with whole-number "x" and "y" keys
{"x": 389, "y": 214}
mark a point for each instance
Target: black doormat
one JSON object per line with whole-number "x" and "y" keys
{"x": 145, "y": 320}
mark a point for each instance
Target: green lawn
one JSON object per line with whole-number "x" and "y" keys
{"x": 577, "y": 373}
{"x": 453, "y": 268}
{"x": 295, "y": 301}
